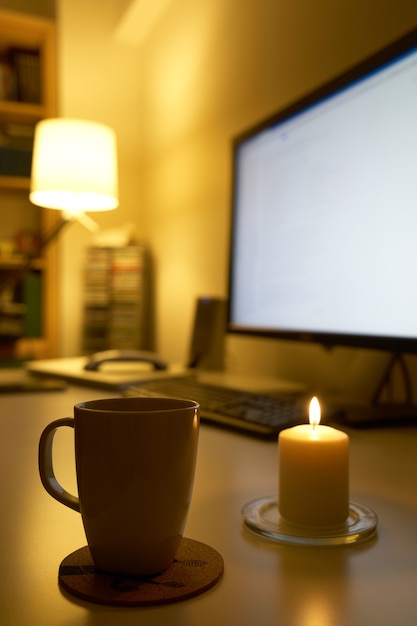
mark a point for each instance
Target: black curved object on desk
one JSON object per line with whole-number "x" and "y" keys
{"x": 96, "y": 360}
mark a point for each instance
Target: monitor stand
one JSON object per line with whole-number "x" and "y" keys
{"x": 381, "y": 412}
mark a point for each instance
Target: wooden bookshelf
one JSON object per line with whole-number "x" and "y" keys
{"x": 20, "y": 32}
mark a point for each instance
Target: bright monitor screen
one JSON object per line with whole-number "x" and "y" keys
{"x": 324, "y": 220}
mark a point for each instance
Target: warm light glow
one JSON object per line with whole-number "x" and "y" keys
{"x": 315, "y": 412}
{"x": 74, "y": 166}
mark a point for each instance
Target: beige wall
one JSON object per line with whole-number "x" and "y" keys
{"x": 209, "y": 69}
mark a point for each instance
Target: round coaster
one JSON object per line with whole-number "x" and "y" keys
{"x": 262, "y": 517}
{"x": 196, "y": 568}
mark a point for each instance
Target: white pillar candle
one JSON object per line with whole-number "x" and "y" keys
{"x": 313, "y": 474}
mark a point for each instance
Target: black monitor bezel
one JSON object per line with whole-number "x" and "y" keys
{"x": 355, "y": 73}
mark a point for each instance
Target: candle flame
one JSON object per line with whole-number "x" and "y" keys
{"x": 315, "y": 412}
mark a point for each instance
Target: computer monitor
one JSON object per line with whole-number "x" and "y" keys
{"x": 324, "y": 216}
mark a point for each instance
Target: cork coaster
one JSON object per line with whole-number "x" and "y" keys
{"x": 196, "y": 569}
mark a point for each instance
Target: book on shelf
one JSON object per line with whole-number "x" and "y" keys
{"x": 16, "y": 144}
{"x": 32, "y": 296}
{"x": 8, "y": 86}
{"x": 20, "y": 75}
{"x": 15, "y": 162}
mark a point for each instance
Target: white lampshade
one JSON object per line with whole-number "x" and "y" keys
{"x": 74, "y": 166}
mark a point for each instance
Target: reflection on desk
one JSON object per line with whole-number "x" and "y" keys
{"x": 264, "y": 583}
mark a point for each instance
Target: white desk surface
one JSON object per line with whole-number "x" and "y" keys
{"x": 263, "y": 583}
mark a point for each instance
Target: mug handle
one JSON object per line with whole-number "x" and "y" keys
{"x": 46, "y": 469}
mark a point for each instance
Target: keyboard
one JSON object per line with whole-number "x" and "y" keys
{"x": 258, "y": 414}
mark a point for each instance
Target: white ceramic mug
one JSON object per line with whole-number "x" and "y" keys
{"x": 135, "y": 461}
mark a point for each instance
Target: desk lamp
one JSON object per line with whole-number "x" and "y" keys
{"x": 74, "y": 170}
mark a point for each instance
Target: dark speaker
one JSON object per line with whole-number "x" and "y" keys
{"x": 208, "y": 336}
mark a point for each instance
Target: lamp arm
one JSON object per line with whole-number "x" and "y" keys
{"x": 11, "y": 277}
{"x": 84, "y": 219}
{"x": 45, "y": 241}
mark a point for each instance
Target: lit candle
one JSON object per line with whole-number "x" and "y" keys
{"x": 313, "y": 473}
